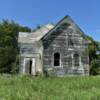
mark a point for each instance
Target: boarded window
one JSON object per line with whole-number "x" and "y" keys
{"x": 76, "y": 60}
{"x": 70, "y": 61}
{"x": 56, "y": 59}
{"x": 84, "y": 58}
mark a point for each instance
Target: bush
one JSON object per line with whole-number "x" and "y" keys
{"x": 95, "y": 67}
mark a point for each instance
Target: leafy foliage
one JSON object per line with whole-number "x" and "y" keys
{"x": 95, "y": 67}
{"x": 9, "y": 47}
{"x": 8, "y": 44}
{"x": 94, "y": 57}
{"x": 92, "y": 48}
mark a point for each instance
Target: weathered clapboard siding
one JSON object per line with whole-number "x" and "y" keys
{"x": 58, "y": 42}
{"x": 65, "y": 40}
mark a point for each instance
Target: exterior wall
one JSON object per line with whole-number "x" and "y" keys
{"x": 58, "y": 41}
{"x": 67, "y": 40}
{"x": 29, "y": 52}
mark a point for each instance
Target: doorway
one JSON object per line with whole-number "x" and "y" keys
{"x": 30, "y": 67}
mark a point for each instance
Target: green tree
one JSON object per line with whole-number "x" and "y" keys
{"x": 93, "y": 48}
{"x": 95, "y": 67}
{"x": 8, "y": 44}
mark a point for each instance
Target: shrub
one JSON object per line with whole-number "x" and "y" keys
{"x": 95, "y": 67}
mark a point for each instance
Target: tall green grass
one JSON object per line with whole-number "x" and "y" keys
{"x": 41, "y": 88}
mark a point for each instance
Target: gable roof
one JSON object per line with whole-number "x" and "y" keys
{"x": 69, "y": 21}
{"x": 45, "y": 31}
{"x": 54, "y": 27}
{"x": 25, "y": 37}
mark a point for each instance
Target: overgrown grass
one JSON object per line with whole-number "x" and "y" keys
{"x": 41, "y": 88}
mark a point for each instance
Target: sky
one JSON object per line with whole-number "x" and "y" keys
{"x": 86, "y": 13}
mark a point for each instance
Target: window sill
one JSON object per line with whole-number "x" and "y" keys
{"x": 57, "y": 67}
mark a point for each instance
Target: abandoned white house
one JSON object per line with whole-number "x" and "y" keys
{"x": 58, "y": 50}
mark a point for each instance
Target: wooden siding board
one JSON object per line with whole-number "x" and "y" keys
{"x": 59, "y": 43}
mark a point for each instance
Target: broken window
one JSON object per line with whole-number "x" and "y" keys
{"x": 56, "y": 59}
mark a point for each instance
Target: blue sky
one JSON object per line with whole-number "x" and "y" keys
{"x": 86, "y": 13}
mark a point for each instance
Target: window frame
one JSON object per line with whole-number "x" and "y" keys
{"x": 76, "y": 60}
{"x": 59, "y": 60}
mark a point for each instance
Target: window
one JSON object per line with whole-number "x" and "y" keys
{"x": 70, "y": 42}
{"x": 76, "y": 60}
{"x": 76, "y": 41}
{"x": 69, "y": 60}
{"x": 84, "y": 58}
{"x": 56, "y": 59}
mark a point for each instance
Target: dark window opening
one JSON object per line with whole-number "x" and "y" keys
{"x": 76, "y": 60}
{"x": 56, "y": 59}
{"x": 30, "y": 66}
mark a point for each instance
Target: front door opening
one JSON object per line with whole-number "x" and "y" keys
{"x": 30, "y": 67}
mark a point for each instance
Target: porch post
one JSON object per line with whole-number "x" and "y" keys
{"x": 72, "y": 60}
{"x": 81, "y": 66}
{"x": 24, "y": 63}
{"x": 80, "y": 63}
{"x": 33, "y": 67}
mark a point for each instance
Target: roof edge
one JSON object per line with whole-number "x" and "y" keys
{"x": 67, "y": 16}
